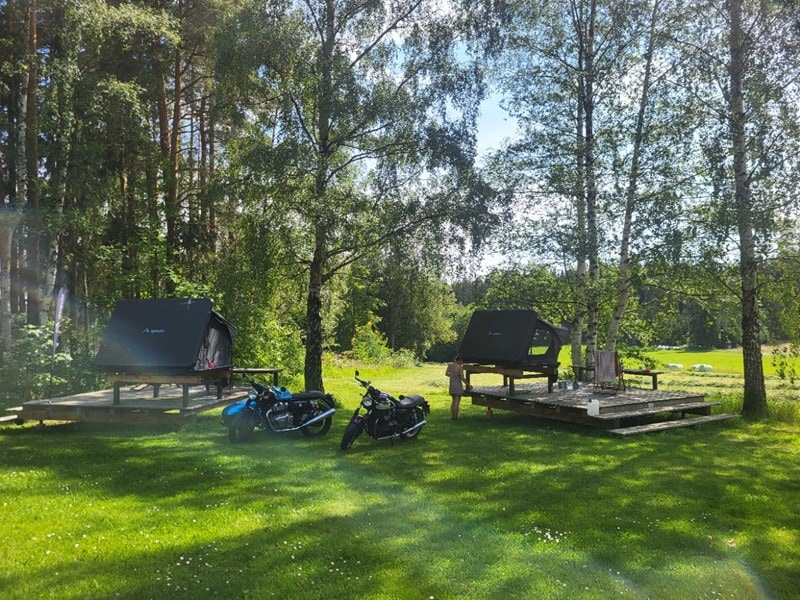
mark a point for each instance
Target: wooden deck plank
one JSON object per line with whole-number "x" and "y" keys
{"x": 580, "y": 398}
{"x": 136, "y": 406}
{"x": 643, "y": 412}
{"x": 572, "y": 405}
{"x": 108, "y": 416}
{"x": 133, "y": 396}
{"x": 538, "y": 410}
{"x": 664, "y": 425}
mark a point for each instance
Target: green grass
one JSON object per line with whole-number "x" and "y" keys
{"x": 515, "y": 507}
{"x": 723, "y": 361}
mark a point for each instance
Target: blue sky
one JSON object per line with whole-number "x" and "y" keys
{"x": 494, "y": 125}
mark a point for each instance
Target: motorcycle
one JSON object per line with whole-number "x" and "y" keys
{"x": 279, "y": 410}
{"x": 386, "y": 417}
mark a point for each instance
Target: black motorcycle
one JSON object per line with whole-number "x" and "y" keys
{"x": 279, "y": 410}
{"x": 386, "y": 417}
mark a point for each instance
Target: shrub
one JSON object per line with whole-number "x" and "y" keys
{"x": 27, "y": 366}
{"x": 784, "y": 360}
{"x": 369, "y": 345}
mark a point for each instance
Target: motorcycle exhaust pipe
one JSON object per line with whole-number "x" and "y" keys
{"x": 324, "y": 415}
{"x": 410, "y": 429}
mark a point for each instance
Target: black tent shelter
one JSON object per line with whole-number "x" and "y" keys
{"x": 512, "y": 338}
{"x": 168, "y": 336}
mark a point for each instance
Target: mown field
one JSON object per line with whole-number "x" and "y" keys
{"x": 514, "y": 507}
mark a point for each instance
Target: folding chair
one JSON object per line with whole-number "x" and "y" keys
{"x": 607, "y": 372}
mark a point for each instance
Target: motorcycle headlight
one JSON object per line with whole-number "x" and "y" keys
{"x": 252, "y": 396}
{"x": 367, "y": 402}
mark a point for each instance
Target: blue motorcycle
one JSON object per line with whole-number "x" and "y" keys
{"x": 277, "y": 409}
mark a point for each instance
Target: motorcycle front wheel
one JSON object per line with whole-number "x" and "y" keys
{"x": 416, "y": 418}
{"x": 351, "y": 432}
{"x": 320, "y": 427}
{"x": 242, "y": 426}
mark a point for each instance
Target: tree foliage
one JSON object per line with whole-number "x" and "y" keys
{"x": 369, "y": 136}
{"x": 663, "y": 132}
{"x": 311, "y": 166}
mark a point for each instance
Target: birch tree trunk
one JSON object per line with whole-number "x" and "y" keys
{"x": 313, "y": 358}
{"x": 755, "y": 396}
{"x": 579, "y": 313}
{"x": 624, "y": 286}
{"x": 592, "y": 246}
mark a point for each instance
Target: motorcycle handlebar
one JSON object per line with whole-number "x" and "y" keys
{"x": 367, "y": 384}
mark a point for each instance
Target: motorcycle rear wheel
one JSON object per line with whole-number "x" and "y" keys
{"x": 351, "y": 432}
{"x": 320, "y": 427}
{"x": 418, "y": 416}
{"x": 242, "y": 427}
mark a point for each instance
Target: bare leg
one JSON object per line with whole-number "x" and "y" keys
{"x": 454, "y": 407}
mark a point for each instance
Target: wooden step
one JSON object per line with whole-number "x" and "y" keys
{"x": 689, "y": 422}
{"x": 657, "y": 408}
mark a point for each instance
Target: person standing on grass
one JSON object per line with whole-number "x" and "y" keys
{"x": 455, "y": 371}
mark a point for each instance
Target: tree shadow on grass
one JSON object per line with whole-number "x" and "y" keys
{"x": 388, "y": 539}
{"x": 672, "y": 497}
{"x": 468, "y": 508}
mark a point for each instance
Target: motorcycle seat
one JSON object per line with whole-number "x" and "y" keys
{"x": 310, "y": 395}
{"x": 411, "y": 400}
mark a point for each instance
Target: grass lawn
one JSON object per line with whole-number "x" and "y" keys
{"x": 515, "y": 507}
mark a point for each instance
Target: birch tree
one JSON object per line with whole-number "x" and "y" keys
{"x": 562, "y": 73}
{"x": 655, "y": 161}
{"x": 372, "y": 136}
{"x": 746, "y": 74}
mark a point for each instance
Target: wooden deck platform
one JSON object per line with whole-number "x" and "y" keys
{"x": 136, "y": 405}
{"x": 616, "y": 411}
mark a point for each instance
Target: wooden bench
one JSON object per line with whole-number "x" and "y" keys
{"x": 581, "y": 372}
{"x": 510, "y": 375}
{"x": 641, "y": 373}
{"x": 218, "y": 377}
{"x": 259, "y": 371}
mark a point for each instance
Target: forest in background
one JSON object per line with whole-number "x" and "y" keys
{"x": 310, "y": 165}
